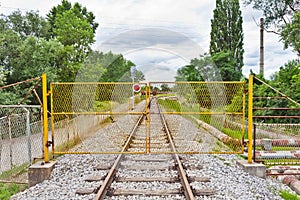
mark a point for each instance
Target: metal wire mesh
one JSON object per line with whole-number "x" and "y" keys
{"x": 80, "y": 109}
{"x": 217, "y": 107}
{"x": 276, "y": 126}
{"x": 21, "y": 135}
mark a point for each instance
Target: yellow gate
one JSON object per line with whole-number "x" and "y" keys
{"x": 79, "y": 110}
{"x": 217, "y": 108}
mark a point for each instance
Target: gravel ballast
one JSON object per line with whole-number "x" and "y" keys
{"x": 229, "y": 181}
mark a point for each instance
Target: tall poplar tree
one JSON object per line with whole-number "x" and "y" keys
{"x": 226, "y": 39}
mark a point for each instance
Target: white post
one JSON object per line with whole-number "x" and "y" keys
{"x": 28, "y": 134}
{"x": 10, "y": 142}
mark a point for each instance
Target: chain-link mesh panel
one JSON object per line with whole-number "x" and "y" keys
{"x": 79, "y": 110}
{"x": 21, "y": 135}
{"x": 218, "y": 108}
{"x": 276, "y": 126}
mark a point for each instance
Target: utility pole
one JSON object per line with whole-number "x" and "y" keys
{"x": 261, "y": 52}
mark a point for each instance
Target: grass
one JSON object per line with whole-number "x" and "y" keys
{"x": 281, "y": 161}
{"x": 278, "y": 148}
{"x": 232, "y": 133}
{"x": 67, "y": 145}
{"x": 7, "y": 190}
{"x": 174, "y": 105}
{"x": 15, "y": 171}
{"x": 288, "y": 196}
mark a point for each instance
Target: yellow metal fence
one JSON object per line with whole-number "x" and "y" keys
{"x": 79, "y": 110}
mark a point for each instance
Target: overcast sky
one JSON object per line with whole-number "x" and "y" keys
{"x": 161, "y": 36}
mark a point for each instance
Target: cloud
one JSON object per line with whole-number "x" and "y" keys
{"x": 189, "y": 20}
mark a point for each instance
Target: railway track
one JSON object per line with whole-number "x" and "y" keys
{"x": 130, "y": 174}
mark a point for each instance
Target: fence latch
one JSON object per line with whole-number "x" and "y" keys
{"x": 49, "y": 143}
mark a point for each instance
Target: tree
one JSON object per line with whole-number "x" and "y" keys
{"x": 227, "y": 38}
{"x": 30, "y": 24}
{"x": 77, "y": 10}
{"x": 165, "y": 87}
{"x": 291, "y": 34}
{"x": 188, "y": 73}
{"x": 9, "y": 49}
{"x": 116, "y": 67}
{"x": 287, "y": 79}
{"x": 277, "y": 13}
{"x": 38, "y": 56}
{"x": 281, "y": 17}
{"x": 226, "y": 60}
{"x": 75, "y": 28}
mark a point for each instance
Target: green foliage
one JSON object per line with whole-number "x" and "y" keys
{"x": 290, "y": 34}
{"x": 30, "y": 24}
{"x": 286, "y": 81}
{"x": 197, "y": 70}
{"x": 98, "y": 65}
{"x": 226, "y": 39}
{"x": 188, "y": 73}
{"x": 7, "y": 190}
{"x": 37, "y": 56}
{"x": 232, "y": 133}
{"x": 16, "y": 170}
{"x": 71, "y": 30}
{"x": 59, "y": 46}
{"x": 276, "y": 12}
{"x": 76, "y": 9}
{"x": 165, "y": 87}
{"x": 236, "y": 104}
{"x": 170, "y": 105}
{"x": 288, "y": 196}
{"x": 281, "y": 17}
{"x": 75, "y": 28}
{"x": 116, "y": 66}
{"x": 227, "y": 65}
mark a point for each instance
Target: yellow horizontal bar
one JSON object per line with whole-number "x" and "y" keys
{"x": 98, "y": 113}
{"x": 193, "y": 152}
{"x": 151, "y": 152}
{"x": 203, "y": 113}
{"x": 95, "y": 83}
{"x": 140, "y": 113}
{"x": 202, "y": 82}
{"x": 142, "y": 83}
{"x": 97, "y": 152}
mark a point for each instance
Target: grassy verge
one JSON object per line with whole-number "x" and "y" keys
{"x": 15, "y": 171}
{"x": 173, "y": 105}
{"x": 9, "y": 189}
{"x": 232, "y": 133}
{"x": 67, "y": 145}
{"x": 288, "y": 196}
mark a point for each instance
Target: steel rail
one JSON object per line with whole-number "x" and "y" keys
{"x": 186, "y": 186}
{"x": 111, "y": 174}
{"x": 109, "y": 178}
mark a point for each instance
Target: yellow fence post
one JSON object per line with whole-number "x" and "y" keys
{"x": 45, "y": 119}
{"x": 250, "y": 114}
{"x": 148, "y": 118}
